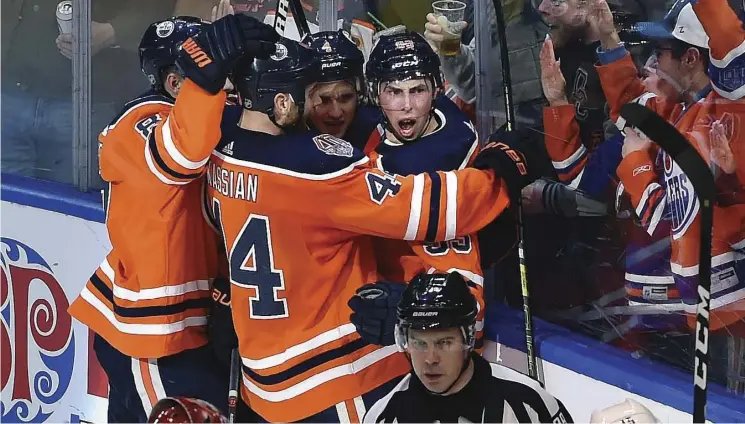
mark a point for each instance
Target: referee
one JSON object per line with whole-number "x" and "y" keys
{"x": 451, "y": 383}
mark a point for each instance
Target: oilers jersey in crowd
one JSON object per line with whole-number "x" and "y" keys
{"x": 151, "y": 295}
{"x": 669, "y": 192}
{"x": 297, "y": 212}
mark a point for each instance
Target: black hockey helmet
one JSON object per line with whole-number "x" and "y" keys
{"x": 340, "y": 58}
{"x": 435, "y": 301}
{"x": 399, "y": 57}
{"x": 160, "y": 43}
{"x": 289, "y": 70}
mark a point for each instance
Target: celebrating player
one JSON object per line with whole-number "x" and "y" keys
{"x": 449, "y": 382}
{"x": 149, "y": 299}
{"x": 405, "y": 81}
{"x": 334, "y": 100}
{"x": 296, "y": 228}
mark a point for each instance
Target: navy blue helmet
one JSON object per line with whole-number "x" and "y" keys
{"x": 290, "y": 70}
{"x": 160, "y": 44}
{"x": 340, "y": 58}
{"x": 437, "y": 301}
{"x": 400, "y": 57}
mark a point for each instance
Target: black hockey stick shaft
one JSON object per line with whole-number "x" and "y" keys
{"x": 298, "y": 13}
{"x": 509, "y": 109}
{"x": 235, "y": 381}
{"x": 700, "y": 176}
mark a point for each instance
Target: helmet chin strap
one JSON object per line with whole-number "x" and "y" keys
{"x": 399, "y": 137}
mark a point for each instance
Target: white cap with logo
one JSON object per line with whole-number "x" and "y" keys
{"x": 680, "y": 23}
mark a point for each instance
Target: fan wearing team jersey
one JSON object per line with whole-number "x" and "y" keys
{"x": 334, "y": 104}
{"x": 449, "y": 382}
{"x": 297, "y": 230}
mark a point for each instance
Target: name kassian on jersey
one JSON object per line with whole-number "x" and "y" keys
{"x": 238, "y": 185}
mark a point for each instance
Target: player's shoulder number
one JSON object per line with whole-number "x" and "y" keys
{"x": 380, "y": 186}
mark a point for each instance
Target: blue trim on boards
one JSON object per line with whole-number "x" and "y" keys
{"x": 51, "y": 196}
{"x": 579, "y": 353}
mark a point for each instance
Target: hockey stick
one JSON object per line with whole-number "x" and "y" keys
{"x": 235, "y": 381}
{"x": 300, "y": 20}
{"x": 510, "y": 118}
{"x": 700, "y": 176}
{"x": 280, "y": 17}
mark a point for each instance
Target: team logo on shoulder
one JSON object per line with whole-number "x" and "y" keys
{"x": 334, "y": 146}
{"x": 405, "y": 45}
{"x": 164, "y": 29}
{"x": 280, "y": 53}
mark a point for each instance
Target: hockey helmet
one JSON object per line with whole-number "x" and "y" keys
{"x": 626, "y": 412}
{"x": 289, "y": 70}
{"x": 340, "y": 58}
{"x": 437, "y": 301}
{"x": 160, "y": 43}
{"x": 185, "y": 410}
{"x": 400, "y": 57}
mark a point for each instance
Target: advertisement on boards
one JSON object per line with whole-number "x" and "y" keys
{"x": 49, "y": 372}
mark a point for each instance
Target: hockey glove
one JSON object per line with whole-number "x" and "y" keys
{"x": 374, "y": 311}
{"x": 208, "y": 57}
{"x": 510, "y": 154}
{"x": 220, "y": 327}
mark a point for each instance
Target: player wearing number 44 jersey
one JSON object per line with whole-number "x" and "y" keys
{"x": 297, "y": 230}
{"x": 149, "y": 299}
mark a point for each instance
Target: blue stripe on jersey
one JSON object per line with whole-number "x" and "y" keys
{"x": 434, "y": 207}
{"x": 731, "y": 78}
{"x": 149, "y": 311}
{"x": 153, "y": 146}
{"x": 306, "y": 365}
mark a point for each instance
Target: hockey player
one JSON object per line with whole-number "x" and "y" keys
{"x": 335, "y": 101}
{"x": 697, "y": 46}
{"x": 405, "y": 81}
{"x": 148, "y": 301}
{"x": 449, "y": 382}
{"x": 297, "y": 232}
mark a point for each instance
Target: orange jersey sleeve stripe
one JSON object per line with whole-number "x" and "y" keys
{"x": 640, "y": 181}
{"x": 621, "y": 84}
{"x": 180, "y": 146}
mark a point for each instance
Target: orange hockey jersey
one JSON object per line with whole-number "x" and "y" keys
{"x": 652, "y": 194}
{"x": 453, "y": 145}
{"x": 151, "y": 295}
{"x": 297, "y": 213}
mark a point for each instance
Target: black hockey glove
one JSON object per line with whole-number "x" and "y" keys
{"x": 208, "y": 57}
{"x": 512, "y": 155}
{"x": 220, "y": 328}
{"x": 374, "y": 311}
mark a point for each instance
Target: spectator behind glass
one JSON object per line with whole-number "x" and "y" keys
{"x": 525, "y": 32}
{"x": 37, "y": 121}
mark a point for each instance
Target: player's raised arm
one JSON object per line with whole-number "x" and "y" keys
{"x": 180, "y": 146}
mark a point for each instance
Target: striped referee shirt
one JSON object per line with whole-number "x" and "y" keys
{"x": 495, "y": 394}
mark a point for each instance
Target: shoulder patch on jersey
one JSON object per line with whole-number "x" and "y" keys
{"x": 335, "y": 146}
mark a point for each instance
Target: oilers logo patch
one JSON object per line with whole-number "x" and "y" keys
{"x": 280, "y": 53}
{"x": 681, "y": 197}
{"x": 405, "y": 45}
{"x": 164, "y": 29}
{"x": 333, "y": 146}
